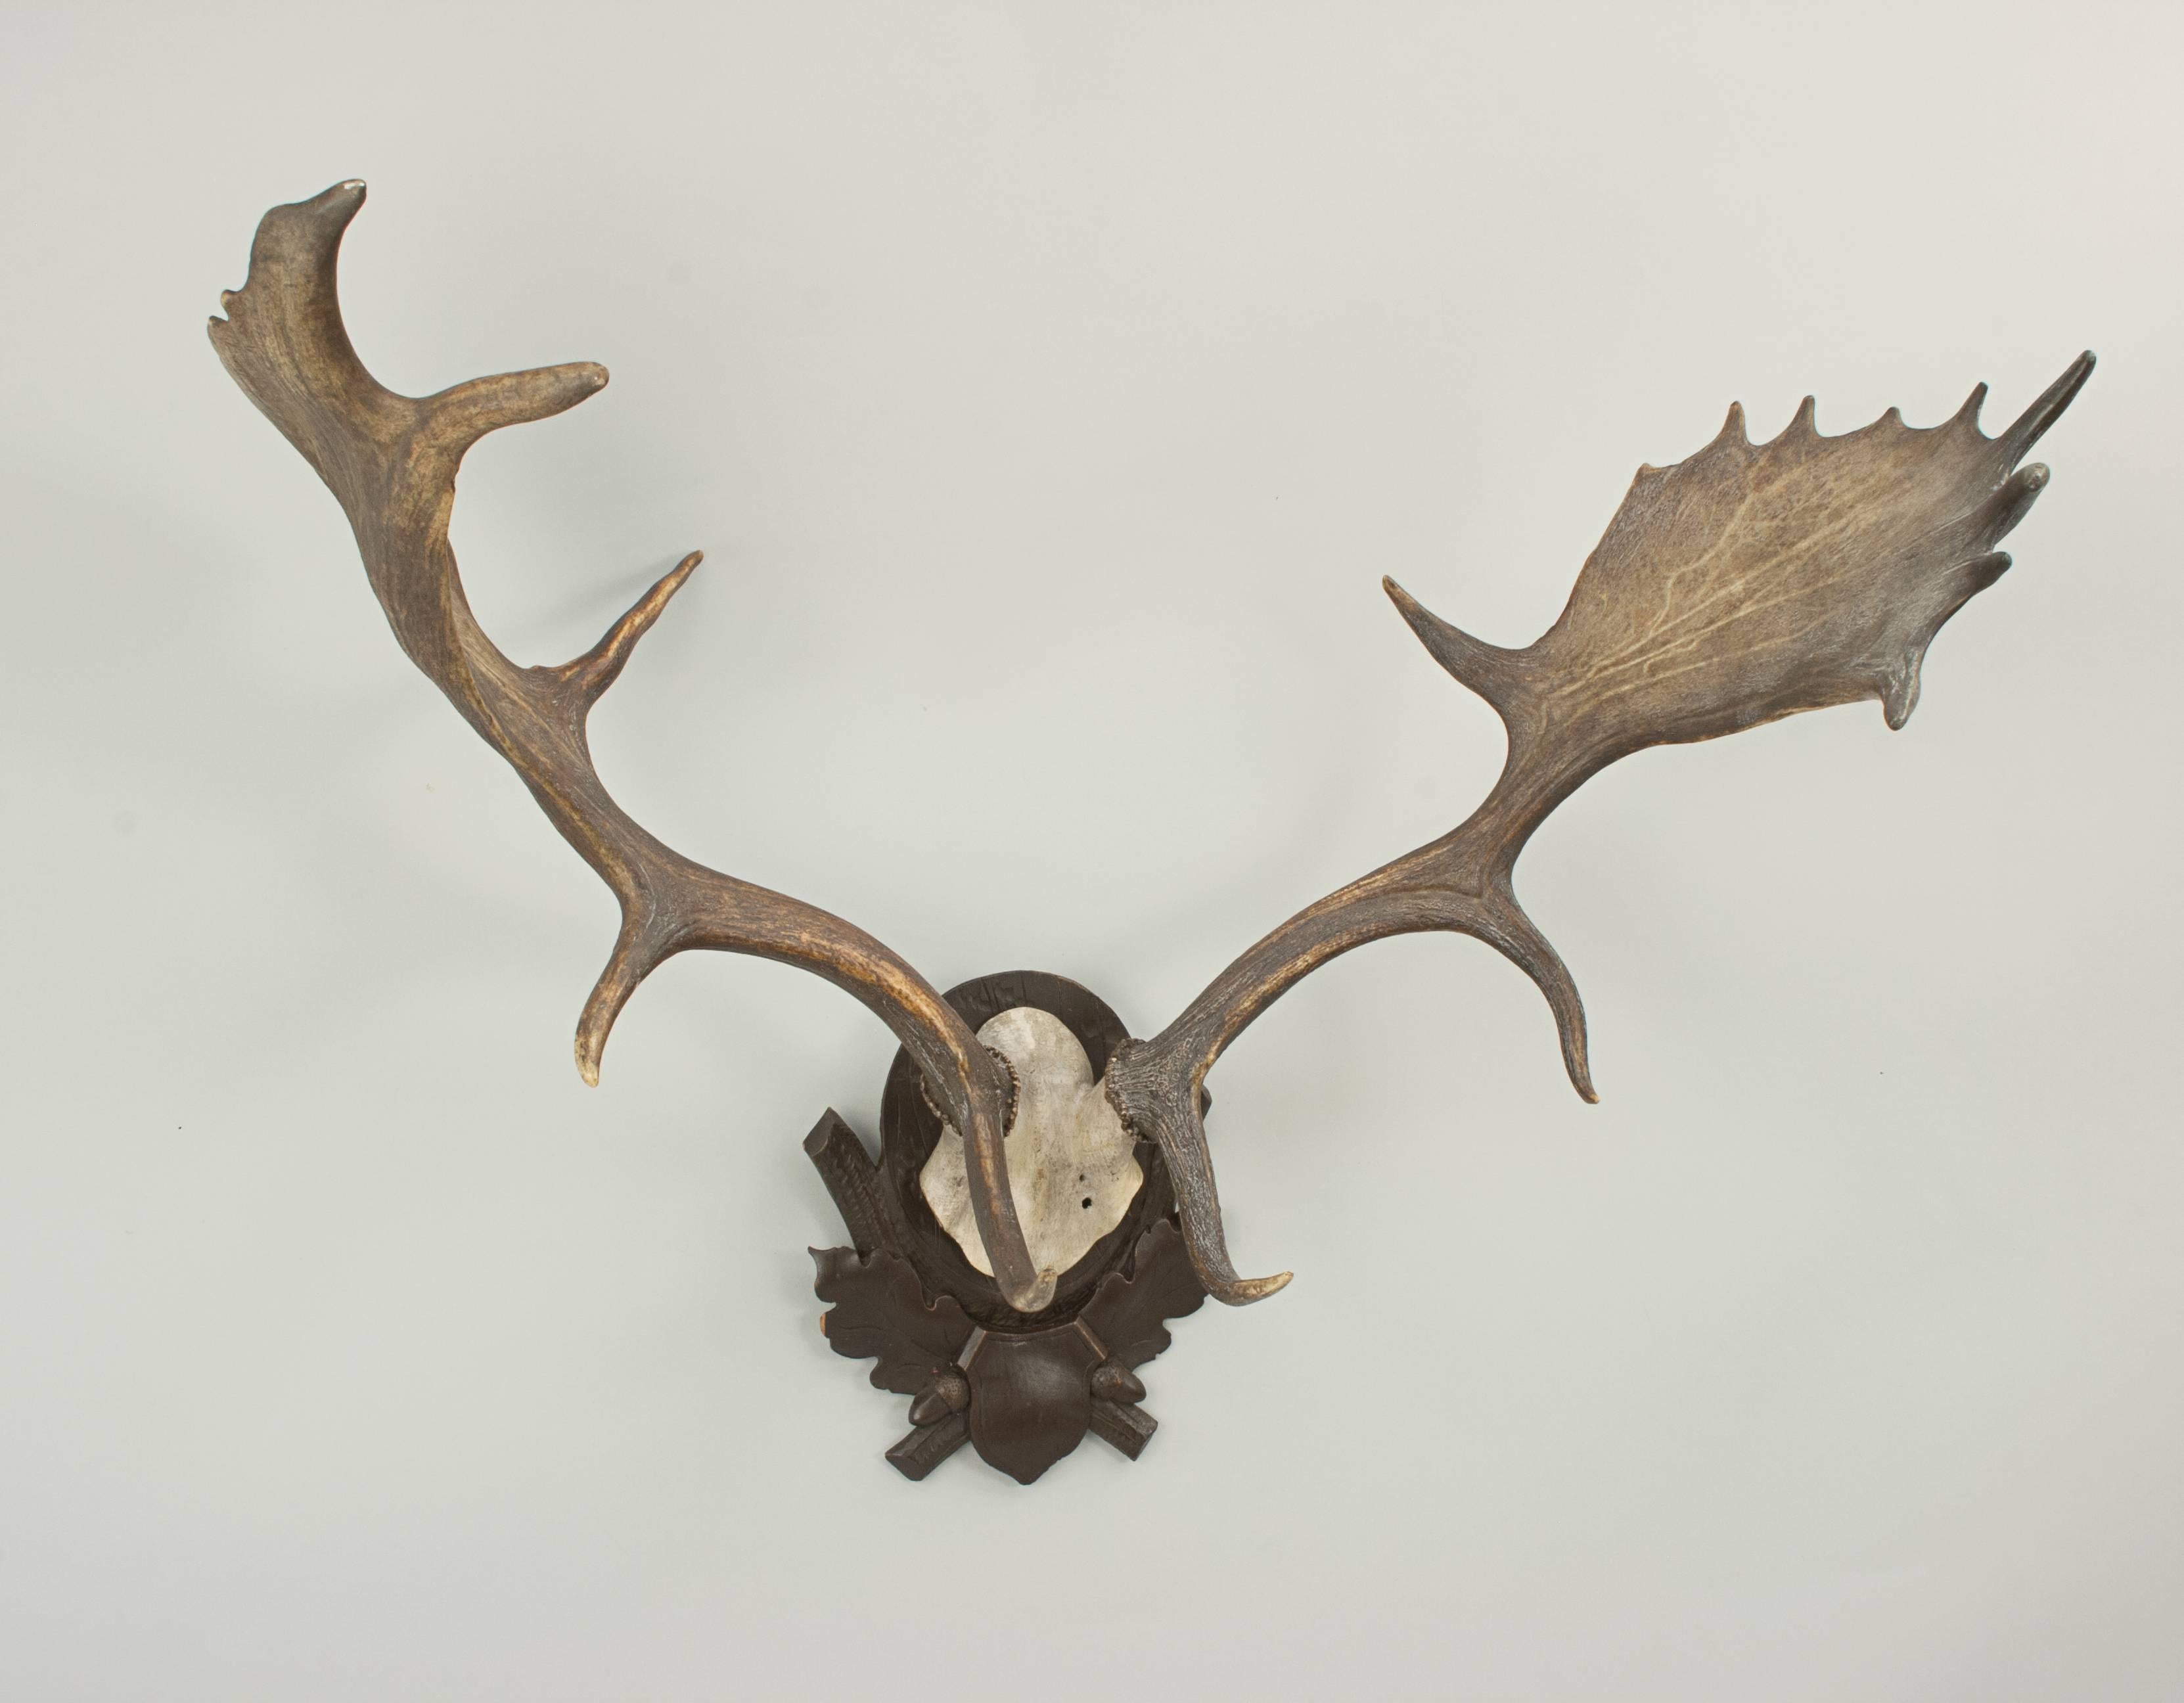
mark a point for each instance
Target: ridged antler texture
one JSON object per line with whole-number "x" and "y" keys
{"x": 1745, "y": 584}
{"x": 391, "y": 461}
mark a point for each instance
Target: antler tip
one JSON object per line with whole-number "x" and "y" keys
{"x": 1413, "y": 610}
{"x": 600, "y": 666}
{"x": 2048, "y": 407}
{"x": 1578, "y": 1064}
{"x": 1241, "y": 1292}
{"x": 591, "y": 1041}
{"x": 1038, "y": 1297}
{"x": 342, "y": 200}
{"x": 574, "y": 381}
{"x": 1494, "y": 673}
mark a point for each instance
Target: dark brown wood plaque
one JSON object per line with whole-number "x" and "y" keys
{"x": 1022, "y": 1389}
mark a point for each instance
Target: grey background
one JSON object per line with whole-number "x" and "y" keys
{"x": 1052, "y": 386}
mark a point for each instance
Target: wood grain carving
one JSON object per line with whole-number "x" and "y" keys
{"x": 1748, "y": 583}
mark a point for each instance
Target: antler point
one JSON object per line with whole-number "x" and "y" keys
{"x": 349, "y": 192}
{"x": 1038, "y": 1297}
{"x": 1241, "y": 1292}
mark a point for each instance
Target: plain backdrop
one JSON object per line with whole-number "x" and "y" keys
{"x": 1050, "y": 385}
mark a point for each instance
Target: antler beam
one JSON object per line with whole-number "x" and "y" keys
{"x": 391, "y": 461}
{"x": 1745, "y": 584}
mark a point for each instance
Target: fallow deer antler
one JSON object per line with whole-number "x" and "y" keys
{"x": 1745, "y": 584}
{"x": 391, "y": 461}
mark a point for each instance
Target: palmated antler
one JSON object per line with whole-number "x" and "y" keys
{"x": 391, "y": 461}
{"x": 1745, "y": 584}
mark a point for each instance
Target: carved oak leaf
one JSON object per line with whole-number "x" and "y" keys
{"x": 1129, "y": 1315}
{"x": 880, "y": 1311}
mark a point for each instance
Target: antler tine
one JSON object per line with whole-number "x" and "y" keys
{"x": 391, "y": 461}
{"x": 1747, "y": 583}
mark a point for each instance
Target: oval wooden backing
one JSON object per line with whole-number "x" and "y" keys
{"x": 909, "y": 1129}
